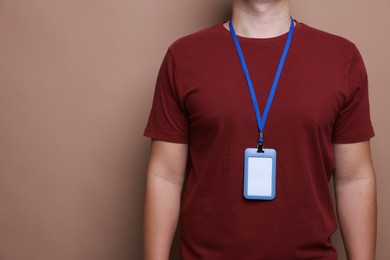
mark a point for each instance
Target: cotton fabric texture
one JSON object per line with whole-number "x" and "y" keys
{"x": 202, "y": 99}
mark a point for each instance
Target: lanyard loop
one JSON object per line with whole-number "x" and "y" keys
{"x": 261, "y": 120}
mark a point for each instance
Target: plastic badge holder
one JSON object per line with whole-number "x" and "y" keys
{"x": 260, "y": 174}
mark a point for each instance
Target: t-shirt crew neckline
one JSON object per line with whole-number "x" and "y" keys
{"x": 278, "y": 38}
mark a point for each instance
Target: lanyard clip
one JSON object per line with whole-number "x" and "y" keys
{"x": 260, "y": 143}
{"x": 260, "y": 147}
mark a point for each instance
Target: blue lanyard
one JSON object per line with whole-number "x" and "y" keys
{"x": 261, "y": 120}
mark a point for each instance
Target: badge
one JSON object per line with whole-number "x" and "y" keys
{"x": 260, "y": 174}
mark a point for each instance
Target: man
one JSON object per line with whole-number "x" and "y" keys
{"x": 202, "y": 121}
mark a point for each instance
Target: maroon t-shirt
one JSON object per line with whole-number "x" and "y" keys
{"x": 202, "y": 99}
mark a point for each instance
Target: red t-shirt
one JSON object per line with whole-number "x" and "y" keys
{"x": 202, "y": 99}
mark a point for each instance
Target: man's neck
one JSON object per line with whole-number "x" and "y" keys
{"x": 261, "y": 18}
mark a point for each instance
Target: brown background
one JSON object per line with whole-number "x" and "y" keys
{"x": 76, "y": 82}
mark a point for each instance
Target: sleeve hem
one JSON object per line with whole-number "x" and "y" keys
{"x": 353, "y": 138}
{"x": 173, "y": 138}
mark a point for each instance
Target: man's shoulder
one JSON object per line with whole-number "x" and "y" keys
{"x": 199, "y": 39}
{"x": 324, "y": 38}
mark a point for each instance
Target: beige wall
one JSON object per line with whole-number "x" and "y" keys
{"x": 76, "y": 79}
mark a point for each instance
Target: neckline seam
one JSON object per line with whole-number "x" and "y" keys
{"x": 265, "y": 40}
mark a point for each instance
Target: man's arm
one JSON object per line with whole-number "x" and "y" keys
{"x": 164, "y": 184}
{"x": 355, "y": 189}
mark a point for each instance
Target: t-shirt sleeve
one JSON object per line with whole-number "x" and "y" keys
{"x": 167, "y": 120}
{"x": 353, "y": 123}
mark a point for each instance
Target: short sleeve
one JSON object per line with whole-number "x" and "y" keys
{"x": 167, "y": 120}
{"x": 353, "y": 123}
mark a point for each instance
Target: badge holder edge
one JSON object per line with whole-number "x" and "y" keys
{"x": 268, "y": 153}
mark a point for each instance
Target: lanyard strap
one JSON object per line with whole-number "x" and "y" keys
{"x": 261, "y": 120}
